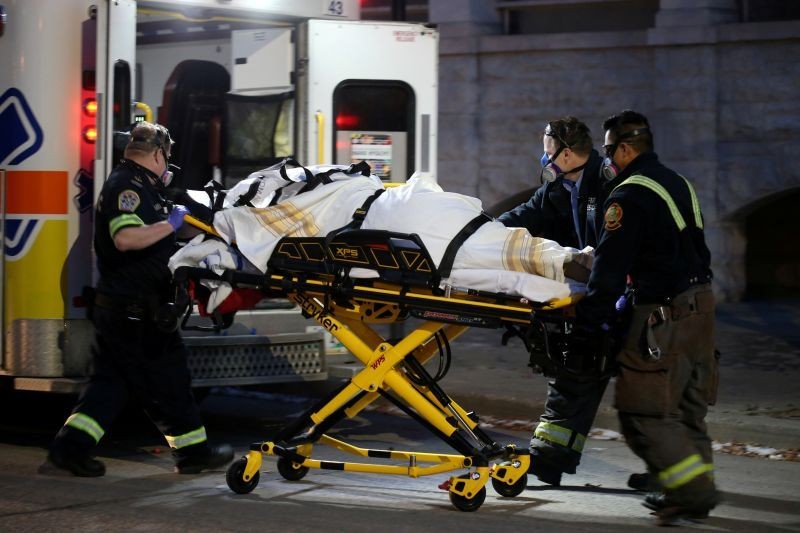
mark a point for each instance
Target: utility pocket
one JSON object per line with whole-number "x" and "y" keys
{"x": 713, "y": 378}
{"x": 643, "y": 387}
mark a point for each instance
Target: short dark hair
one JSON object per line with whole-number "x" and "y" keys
{"x": 569, "y": 132}
{"x": 627, "y": 121}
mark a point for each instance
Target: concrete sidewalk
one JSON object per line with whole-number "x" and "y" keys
{"x": 759, "y": 396}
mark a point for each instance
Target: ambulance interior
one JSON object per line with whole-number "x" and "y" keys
{"x": 233, "y": 94}
{"x": 184, "y": 75}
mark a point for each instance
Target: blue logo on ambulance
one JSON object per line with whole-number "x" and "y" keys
{"x": 20, "y": 236}
{"x": 20, "y": 133}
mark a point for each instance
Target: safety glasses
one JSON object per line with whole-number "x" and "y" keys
{"x": 609, "y": 149}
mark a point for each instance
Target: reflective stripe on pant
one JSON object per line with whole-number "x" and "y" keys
{"x": 562, "y": 436}
{"x": 191, "y": 438}
{"x": 87, "y": 424}
{"x": 684, "y": 472}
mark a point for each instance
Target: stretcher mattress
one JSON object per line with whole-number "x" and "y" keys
{"x": 494, "y": 259}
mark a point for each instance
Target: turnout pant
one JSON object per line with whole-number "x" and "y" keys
{"x": 668, "y": 375}
{"x": 133, "y": 359}
{"x": 568, "y": 415}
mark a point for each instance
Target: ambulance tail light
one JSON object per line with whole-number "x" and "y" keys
{"x": 90, "y": 107}
{"x": 90, "y": 134}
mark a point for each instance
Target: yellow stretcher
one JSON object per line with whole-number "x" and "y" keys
{"x": 315, "y": 273}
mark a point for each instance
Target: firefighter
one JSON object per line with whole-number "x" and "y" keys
{"x": 135, "y": 356}
{"x": 668, "y": 371}
{"x": 566, "y": 209}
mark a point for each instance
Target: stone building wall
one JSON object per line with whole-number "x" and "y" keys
{"x": 723, "y": 99}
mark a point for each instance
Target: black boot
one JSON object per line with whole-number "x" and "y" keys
{"x": 206, "y": 458}
{"x": 645, "y": 482}
{"x": 669, "y": 511}
{"x": 546, "y": 471}
{"x": 79, "y": 462}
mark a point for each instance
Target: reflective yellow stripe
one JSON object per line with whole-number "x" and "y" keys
{"x": 662, "y": 192}
{"x": 117, "y": 223}
{"x": 580, "y": 442}
{"x": 187, "y": 439}
{"x": 86, "y": 424}
{"x": 684, "y": 472}
{"x": 698, "y": 217}
{"x": 553, "y": 433}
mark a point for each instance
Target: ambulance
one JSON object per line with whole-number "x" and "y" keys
{"x": 241, "y": 84}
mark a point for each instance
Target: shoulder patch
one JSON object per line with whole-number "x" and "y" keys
{"x": 613, "y": 217}
{"x": 128, "y": 201}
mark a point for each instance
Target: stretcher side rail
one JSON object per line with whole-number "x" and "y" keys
{"x": 397, "y": 257}
{"x": 408, "y": 280}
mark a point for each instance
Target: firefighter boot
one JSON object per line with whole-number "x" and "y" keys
{"x": 204, "y": 458}
{"x": 546, "y": 471}
{"x": 668, "y": 511}
{"x": 79, "y": 462}
{"x": 645, "y": 482}
{"x": 658, "y": 501}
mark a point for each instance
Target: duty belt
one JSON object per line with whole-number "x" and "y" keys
{"x": 697, "y": 299}
{"x": 140, "y": 308}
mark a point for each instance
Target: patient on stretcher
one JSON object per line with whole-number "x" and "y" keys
{"x": 296, "y": 202}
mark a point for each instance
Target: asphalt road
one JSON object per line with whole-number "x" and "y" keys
{"x": 140, "y": 492}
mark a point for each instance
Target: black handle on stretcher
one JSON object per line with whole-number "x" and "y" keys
{"x": 183, "y": 275}
{"x": 558, "y": 349}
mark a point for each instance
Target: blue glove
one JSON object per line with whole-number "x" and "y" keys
{"x": 176, "y": 216}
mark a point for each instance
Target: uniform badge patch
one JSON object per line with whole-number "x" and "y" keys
{"x": 613, "y": 217}
{"x": 128, "y": 200}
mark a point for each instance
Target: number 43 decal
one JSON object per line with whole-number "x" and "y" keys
{"x": 335, "y": 7}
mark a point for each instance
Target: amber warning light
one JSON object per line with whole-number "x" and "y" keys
{"x": 90, "y": 134}
{"x": 90, "y": 107}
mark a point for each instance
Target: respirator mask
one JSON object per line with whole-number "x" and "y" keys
{"x": 168, "y": 174}
{"x": 610, "y": 169}
{"x": 551, "y": 171}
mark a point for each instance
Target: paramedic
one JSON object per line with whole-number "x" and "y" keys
{"x": 133, "y": 357}
{"x": 668, "y": 372}
{"x": 566, "y": 209}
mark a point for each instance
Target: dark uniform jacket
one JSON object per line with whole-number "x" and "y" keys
{"x": 548, "y": 213}
{"x": 128, "y": 199}
{"x": 641, "y": 239}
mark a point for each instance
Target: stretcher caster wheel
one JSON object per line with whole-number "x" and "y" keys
{"x": 510, "y": 491}
{"x": 235, "y": 477}
{"x": 462, "y": 503}
{"x": 290, "y": 471}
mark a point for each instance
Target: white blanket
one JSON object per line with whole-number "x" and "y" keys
{"x": 495, "y": 258}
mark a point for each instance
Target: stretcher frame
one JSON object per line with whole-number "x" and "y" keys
{"x": 311, "y": 273}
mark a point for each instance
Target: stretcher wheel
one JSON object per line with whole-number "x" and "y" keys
{"x": 462, "y": 503}
{"x": 290, "y": 471}
{"x": 235, "y": 477}
{"x": 510, "y": 491}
